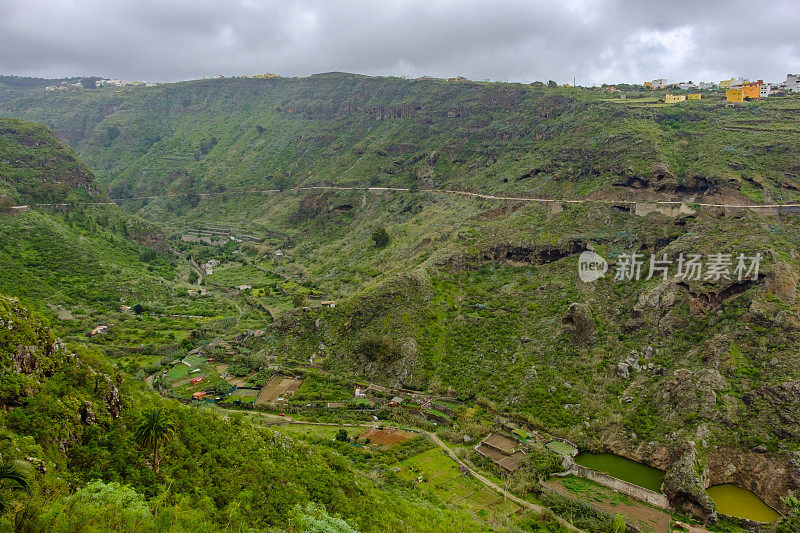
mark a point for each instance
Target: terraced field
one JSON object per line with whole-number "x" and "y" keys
{"x": 438, "y": 474}
{"x": 277, "y": 386}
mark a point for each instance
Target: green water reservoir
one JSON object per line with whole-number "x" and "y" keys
{"x": 624, "y": 469}
{"x": 741, "y": 503}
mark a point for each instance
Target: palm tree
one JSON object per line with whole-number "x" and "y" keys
{"x": 14, "y": 476}
{"x": 155, "y": 429}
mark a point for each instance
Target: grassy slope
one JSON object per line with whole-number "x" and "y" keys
{"x": 341, "y": 128}
{"x": 489, "y": 137}
{"x": 79, "y": 264}
{"x": 35, "y": 167}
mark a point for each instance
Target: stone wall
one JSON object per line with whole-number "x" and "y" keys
{"x": 640, "y": 493}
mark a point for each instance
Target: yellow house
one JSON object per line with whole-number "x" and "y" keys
{"x": 734, "y": 95}
{"x": 648, "y": 85}
{"x": 674, "y": 98}
{"x": 752, "y": 91}
{"x": 724, "y": 84}
{"x": 695, "y": 96}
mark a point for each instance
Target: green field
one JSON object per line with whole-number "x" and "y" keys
{"x": 440, "y": 476}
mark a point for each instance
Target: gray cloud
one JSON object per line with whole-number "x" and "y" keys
{"x": 520, "y": 40}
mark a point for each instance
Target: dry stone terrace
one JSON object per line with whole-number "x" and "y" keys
{"x": 504, "y": 451}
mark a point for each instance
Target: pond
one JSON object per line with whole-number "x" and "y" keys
{"x": 741, "y": 503}
{"x": 624, "y": 469}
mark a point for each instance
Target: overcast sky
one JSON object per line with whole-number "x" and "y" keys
{"x": 594, "y": 41}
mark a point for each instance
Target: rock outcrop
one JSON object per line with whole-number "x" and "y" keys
{"x": 695, "y": 392}
{"x": 685, "y": 484}
{"x": 578, "y": 320}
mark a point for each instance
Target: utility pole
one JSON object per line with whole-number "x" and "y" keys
{"x": 573, "y": 82}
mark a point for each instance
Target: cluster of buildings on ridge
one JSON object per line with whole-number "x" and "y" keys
{"x": 99, "y": 83}
{"x": 64, "y": 86}
{"x": 736, "y": 89}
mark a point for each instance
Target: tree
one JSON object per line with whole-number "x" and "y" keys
{"x": 6, "y": 202}
{"x": 191, "y": 199}
{"x": 155, "y": 430}
{"x": 551, "y": 83}
{"x": 147, "y": 255}
{"x": 90, "y": 83}
{"x": 281, "y": 182}
{"x": 380, "y": 237}
{"x": 342, "y": 436}
{"x": 375, "y": 348}
{"x": 13, "y": 476}
{"x": 138, "y": 309}
{"x": 298, "y": 299}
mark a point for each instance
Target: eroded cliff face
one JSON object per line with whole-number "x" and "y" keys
{"x": 29, "y": 352}
{"x": 691, "y": 468}
{"x": 770, "y": 476}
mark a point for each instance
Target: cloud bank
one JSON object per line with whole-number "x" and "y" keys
{"x": 593, "y": 41}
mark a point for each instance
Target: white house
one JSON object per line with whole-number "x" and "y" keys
{"x": 765, "y": 90}
{"x": 792, "y": 83}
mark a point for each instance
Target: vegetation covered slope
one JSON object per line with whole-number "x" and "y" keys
{"x": 213, "y": 135}
{"x": 480, "y": 298}
{"x": 72, "y": 423}
{"x": 69, "y": 415}
{"x": 35, "y": 167}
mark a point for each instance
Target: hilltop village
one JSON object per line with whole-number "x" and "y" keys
{"x": 737, "y": 90}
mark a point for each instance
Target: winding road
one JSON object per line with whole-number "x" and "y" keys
{"x": 435, "y": 191}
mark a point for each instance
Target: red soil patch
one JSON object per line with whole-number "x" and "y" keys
{"x": 386, "y": 437}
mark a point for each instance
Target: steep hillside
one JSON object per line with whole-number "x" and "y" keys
{"x": 68, "y": 418}
{"x": 212, "y": 135}
{"x": 88, "y": 254}
{"x": 483, "y": 302}
{"x": 35, "y": 167}
{"x": 479, "y": 298}
{"x": 69, "y": 408}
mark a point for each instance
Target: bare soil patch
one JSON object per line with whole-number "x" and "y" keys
{"x": 386, "y": 437}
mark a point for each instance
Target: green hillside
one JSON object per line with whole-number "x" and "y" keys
{"x": 69, "y": 408}
{"x": 35, "y": 167}
{"x": 234, "y": 134}
{"x": 68, "y": 418}
{"x": 473, "y": 299}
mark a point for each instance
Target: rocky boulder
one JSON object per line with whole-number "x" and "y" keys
{"x": 696, "y": 392}
{"x": 88, "y": 417}
{"x": 685, "y": 484}
{"x": 782, "y": 282}
{"x": 578, "y": 320}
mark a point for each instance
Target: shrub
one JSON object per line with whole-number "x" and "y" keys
{"x": 377, "y": 348}
{"x": 380, "y": 237}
